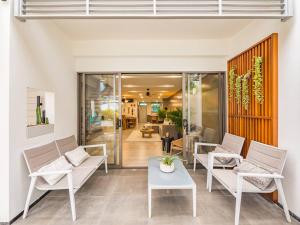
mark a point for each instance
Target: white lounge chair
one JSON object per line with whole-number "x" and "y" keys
{"x": 266, "y": 157}
{"x": 231, "y": 143}
{"x": 73, "y": 180}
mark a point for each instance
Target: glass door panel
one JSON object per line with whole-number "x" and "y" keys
{"x": 100, "y": 114}
{"x": 204, "y": 110}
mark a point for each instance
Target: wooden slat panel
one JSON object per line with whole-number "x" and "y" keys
{"x": 260, "y": 121}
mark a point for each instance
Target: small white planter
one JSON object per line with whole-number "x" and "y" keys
{"x": 167, "y": 169}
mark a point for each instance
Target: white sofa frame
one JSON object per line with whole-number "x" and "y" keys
{"x": 49, "y": 156}
{"x": 240, "y": 182}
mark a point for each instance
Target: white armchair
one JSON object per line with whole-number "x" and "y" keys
{"x": 266, "y": 157}
{"x": 232, "y": 143}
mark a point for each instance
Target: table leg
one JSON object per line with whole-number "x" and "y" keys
{"x": 194, "y": 202}
{"x": 149, "y": 201}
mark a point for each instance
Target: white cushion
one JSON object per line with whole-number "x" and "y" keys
{"x": 222, "y": 160}
{"x": 77, "y": 156}
{"x": 57, "y": 165}
{"x": 248, "y": 167}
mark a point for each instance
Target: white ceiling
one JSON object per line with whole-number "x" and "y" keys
{"x": 117, "y": 29}
{"x": 160, "y": 86}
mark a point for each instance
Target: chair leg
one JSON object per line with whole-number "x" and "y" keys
{"x": 283, "y": 199}
{"x": 30, "y": 191}
{"x": 209, "y": 180}
{"x": 195, "y": 161}
{"x": 238, "y": 199}
{"x": 105, "y": 163}
{"x": 71, "y": 195}
{"x": 237, "y": 208}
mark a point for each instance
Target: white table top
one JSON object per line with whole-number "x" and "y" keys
{"x": 179, "y": 179}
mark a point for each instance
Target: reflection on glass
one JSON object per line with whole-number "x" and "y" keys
{"x": 203, "y": 110}
{"x": 101, "y": 114}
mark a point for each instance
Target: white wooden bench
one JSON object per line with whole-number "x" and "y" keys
{"x": 73, "y": 180}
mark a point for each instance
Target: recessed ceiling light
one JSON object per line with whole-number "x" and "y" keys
{"x": 161, "y": 86}
{"x": 174, "y": 76}
{"x": 161, "y": 91}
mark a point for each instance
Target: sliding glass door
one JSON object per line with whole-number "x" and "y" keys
{"x": 100, "y": 101}
{"x": 203, "y": 110}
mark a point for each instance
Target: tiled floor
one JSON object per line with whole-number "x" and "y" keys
{"x": 120, "y": 198}
{"x": 136, "y": 154}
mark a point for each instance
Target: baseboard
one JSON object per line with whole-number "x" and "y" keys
{"x": 291, "y": 213}
{"x": 21, "y": 213}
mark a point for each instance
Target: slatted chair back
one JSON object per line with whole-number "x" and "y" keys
{"x": 66, "y": 144}
{"x": 40, "y": 156}
{"x": 267, "y": 157}
{"x": 233, "y": 143}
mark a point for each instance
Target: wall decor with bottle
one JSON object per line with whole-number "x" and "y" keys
{"x": 40, "y": 112}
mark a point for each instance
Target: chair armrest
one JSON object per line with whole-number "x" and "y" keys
{"x": 203, "y": 144}
{"x": 97, "y": 145}
{"x": 267, "y": 175}
{"x": 38, "y": 174}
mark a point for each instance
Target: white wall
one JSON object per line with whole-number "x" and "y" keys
{"x": 289, "y": 91}
{"x": 150, "y": 55}
{"x": 40, "y": 57}
{"x": 4, "y": 112}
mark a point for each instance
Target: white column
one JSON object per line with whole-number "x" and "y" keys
{"x": 5, "y": 21}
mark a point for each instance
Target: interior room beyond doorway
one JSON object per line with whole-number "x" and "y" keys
{"x": 146, "y": 101}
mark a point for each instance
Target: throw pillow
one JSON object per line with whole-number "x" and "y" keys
{"x": 57, "y": 165}
{"x": 77, "y": 156}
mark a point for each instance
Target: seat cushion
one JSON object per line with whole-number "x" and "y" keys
{"x": 79, "y": 175}
{"x": 93, "y": 162}
{"x": 203, "y": 159}
{"x": 229, "y": 179}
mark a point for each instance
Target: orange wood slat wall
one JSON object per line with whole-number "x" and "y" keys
{"x": 260, "y": 121}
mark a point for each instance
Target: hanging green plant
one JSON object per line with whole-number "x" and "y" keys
{"x": 245, "y": 91}
{"x": 231, "y": 82}
{"x": 238, "y": 89}
{"x": 258, "y": 80}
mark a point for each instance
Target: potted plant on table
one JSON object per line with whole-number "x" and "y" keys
{"x": 167, "y": 164}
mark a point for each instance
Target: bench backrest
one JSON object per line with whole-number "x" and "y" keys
{"x": 66, "y": 144}
{"x": 40, "y": 156}
{"x": 268, "y": 157}
{"x": 233, "y": 143}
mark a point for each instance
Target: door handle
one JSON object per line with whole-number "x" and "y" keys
{"x": 185, "y": 125}
{"x": 119, "y": 123}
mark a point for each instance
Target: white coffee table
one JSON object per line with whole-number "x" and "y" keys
{"x": 179, "y": 179}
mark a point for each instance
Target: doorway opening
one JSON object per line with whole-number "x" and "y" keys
{"x": 142, "y": 115}
{"x": 148, "y": 100}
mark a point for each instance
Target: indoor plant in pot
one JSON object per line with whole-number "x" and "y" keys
{"x": 176, "y": 117}
{"x": 167, "y": 164}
